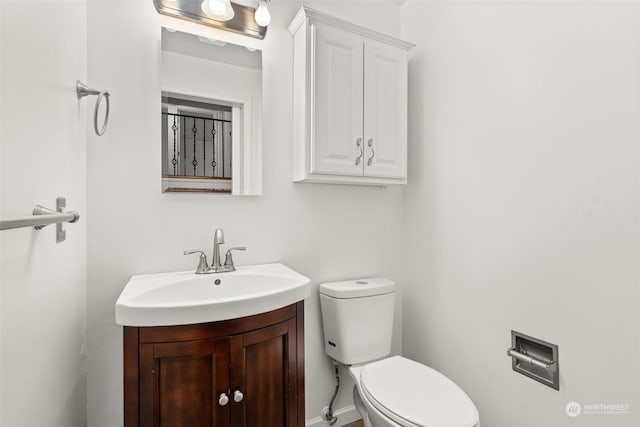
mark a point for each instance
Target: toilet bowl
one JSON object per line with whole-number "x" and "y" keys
{"x": 399, "y": 392}
{"x": 357, "y": 318}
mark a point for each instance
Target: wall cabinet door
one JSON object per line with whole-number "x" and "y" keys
{"x": 360, "y": 106}
{"x": 338, "y": 88}
{"x": 385, "y": 110}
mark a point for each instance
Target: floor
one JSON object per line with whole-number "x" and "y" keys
{"x": 358, "y": 423}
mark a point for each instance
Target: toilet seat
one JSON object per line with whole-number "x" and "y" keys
{"x": 414, "y": 395}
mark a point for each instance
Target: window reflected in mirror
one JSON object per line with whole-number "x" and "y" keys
{"x": 197, "y": 145}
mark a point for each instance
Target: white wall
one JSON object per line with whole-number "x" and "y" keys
{"x": 43, "y": 155}
{"x": 522, "y": 210}
{"x": 325, "y": 232}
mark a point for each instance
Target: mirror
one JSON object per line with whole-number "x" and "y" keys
{"x": 211, "y": 115}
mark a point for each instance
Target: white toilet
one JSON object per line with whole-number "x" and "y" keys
{"x": 390, "y": 391}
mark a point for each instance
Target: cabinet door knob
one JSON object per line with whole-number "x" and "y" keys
{"x": 223, "y": 399}
{"x": 373, "y": 153}
{"x": 359, "y": 144}
{"x": 238, "y": 396}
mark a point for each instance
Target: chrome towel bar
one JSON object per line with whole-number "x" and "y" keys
{"x": 83, "y": 90}
{"x": 42, "y": 217}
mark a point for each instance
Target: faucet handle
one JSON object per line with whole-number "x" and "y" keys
{"x": 228, "y": 259}
{"x": 203, "y": 267}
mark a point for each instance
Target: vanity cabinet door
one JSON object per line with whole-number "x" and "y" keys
{"x": 385, "y": 110}
{"x": 338, "y": 85}
{"x": 264, "y": 370}
{"x": 180, "y": 383}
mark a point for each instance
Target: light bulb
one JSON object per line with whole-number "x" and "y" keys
{"x": 263, "y": 17}
{"x": 220, "y": 10}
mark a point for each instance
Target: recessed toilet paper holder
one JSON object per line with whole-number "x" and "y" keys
{"x": 535, "y": 359}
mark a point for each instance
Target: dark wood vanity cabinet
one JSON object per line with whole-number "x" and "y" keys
{"x": 233, "y": 373}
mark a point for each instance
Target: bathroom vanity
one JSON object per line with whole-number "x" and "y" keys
{"x": 214, "y": 349}
{"x": 236, "y": 372}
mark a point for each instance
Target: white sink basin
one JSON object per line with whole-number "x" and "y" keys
{"x": 184, "y": 297}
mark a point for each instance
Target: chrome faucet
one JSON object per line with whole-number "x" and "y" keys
{"x": 216, "y": 265}
{"x": 218, "y": 239}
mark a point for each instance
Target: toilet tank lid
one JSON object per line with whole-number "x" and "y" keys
{"x": 358, "y": 288}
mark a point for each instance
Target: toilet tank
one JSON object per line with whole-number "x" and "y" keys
{"x": 357, "y": 318}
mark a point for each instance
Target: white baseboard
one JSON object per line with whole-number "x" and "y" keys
{"x": 345, "y": 415}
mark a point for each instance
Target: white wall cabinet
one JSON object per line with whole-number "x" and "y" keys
{"x": 350, "y": 102}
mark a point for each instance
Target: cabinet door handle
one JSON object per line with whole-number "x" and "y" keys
{"x": 238, "y": 396}
{"x": 223, "y": 399}
{"x": 359, "y": 144}
{"x": 373, "y": 153}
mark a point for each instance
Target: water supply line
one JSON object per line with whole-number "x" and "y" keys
{"x": 327, "y": 412}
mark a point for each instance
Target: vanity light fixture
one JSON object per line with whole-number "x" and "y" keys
{"x": 220, "y": 10}
{"x": 262, "y": 15}
{"x": 225, "y": 15}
